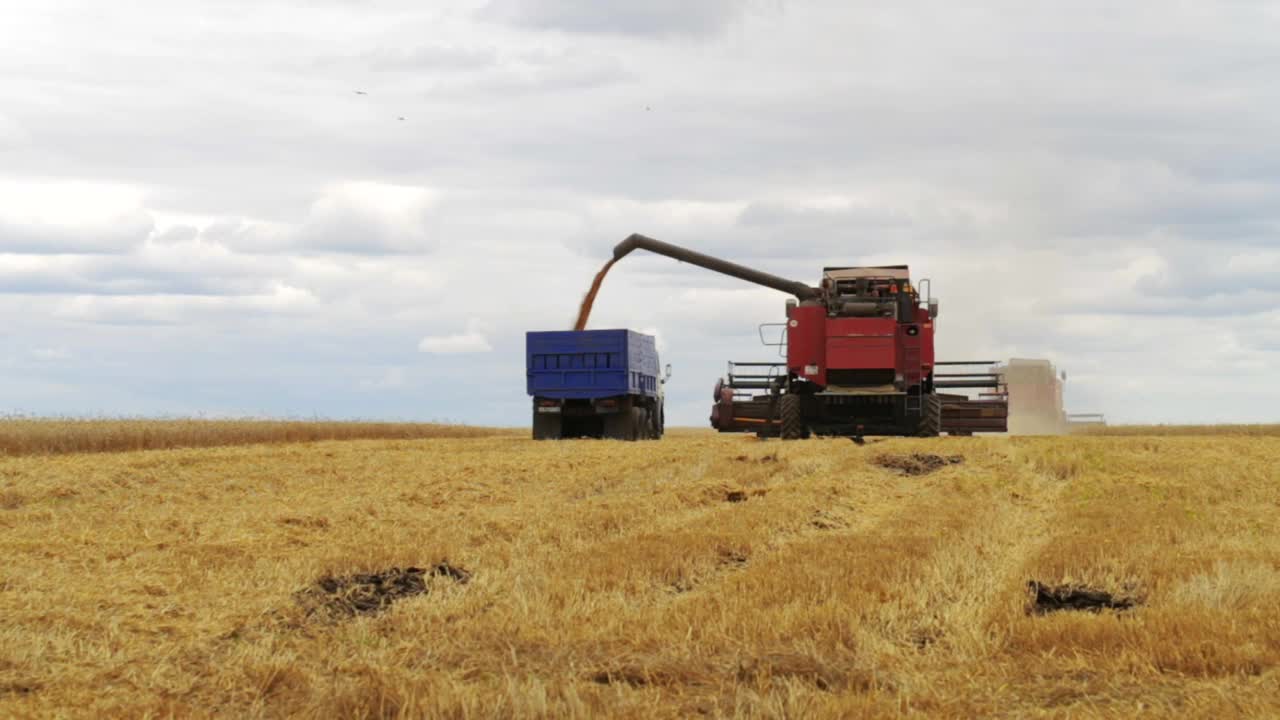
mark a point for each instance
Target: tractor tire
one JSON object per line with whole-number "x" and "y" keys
{"x": 546, "y": 426}
{"x": 930, "y": 417}
{"x": 792, "y": 425}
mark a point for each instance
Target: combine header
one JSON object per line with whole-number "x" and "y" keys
{"x": 859, "y": 359}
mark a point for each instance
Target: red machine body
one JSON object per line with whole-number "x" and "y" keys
{"x": 859, "y": 359}
{"x": 817, "y": 344}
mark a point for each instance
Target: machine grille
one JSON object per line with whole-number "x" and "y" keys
{"x": 860, "y": 378}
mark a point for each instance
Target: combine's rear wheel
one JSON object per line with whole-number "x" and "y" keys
{"x": 930, "y": 417}
{"x": 792, "y": 420}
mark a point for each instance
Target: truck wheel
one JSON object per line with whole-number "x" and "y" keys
{"x": 792, "y": 418}
{"x": 931, "y": 417}
{"x": 619, "y": 425}
{"x": 546, "y": 426}
{"x": 639, "y": 424}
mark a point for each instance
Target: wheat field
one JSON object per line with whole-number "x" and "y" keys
{"x": 56, "y": 436}
{"x": 702, "y": 575}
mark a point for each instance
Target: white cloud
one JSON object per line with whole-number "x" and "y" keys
{"x": 183, "y": 310}
{"x": 57, "y": 216}
{"x": 371, "y": 217}
{"x": 10, "y": 132}
{"x": 50, "y": 354}
{"x": 469, "y": 342}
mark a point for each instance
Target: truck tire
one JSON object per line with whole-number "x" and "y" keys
{"x": 655, "y": 421}
{"x": 930, "y": 416}
{"x": 546, "y": 426}
{"x": 791, "y": 417}
{"x": 617, "y": 425}
{"x": 639, "y": 423}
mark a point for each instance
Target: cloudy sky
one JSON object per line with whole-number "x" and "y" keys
{"x": 200, "y": 215}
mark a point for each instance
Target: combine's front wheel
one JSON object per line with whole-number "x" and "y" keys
{"x": 791, "y": 417}
{"x": 931, "y": 417}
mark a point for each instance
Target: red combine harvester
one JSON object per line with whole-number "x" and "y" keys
{"x": 859, "y": 360}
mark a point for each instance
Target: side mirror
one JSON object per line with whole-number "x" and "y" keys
{"x": 667, "y": 376}
{"x": 933, "y": 308}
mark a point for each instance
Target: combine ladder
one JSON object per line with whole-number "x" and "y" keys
{"x": 911, "y": 361}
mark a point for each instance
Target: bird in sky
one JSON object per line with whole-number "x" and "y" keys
{"x": 361, "y": 92}
{"x": 402, "y": 117}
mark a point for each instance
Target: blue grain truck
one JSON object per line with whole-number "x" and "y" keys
{"x": 595, "y": 383}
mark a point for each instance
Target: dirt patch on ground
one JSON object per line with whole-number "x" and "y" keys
{"x": 337, "y": 597}
{"x": 763, "y": 460}
{"x": 825, "y": 520}
{"x": 737, "y": 496}
{"x": 917, "y": 463}
{"x": 1053, "y": 598}
{"x": 315, "y": 523}
{"x": 18, "y": 688}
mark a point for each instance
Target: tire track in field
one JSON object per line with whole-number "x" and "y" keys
{"x": 681, "y": 529}
{"x": 816, "y": 602}
{"x": 923, "y": 565}
{"x": 963, "y": 590}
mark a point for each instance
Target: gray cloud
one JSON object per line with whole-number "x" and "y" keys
{"x": 430, "y": 57}
{"x": 656, "y": 17}
{"x": 108, "y": 236}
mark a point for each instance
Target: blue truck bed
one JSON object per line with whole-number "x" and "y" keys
{"x": 591, "y": 364}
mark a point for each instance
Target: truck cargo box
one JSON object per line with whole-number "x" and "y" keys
{"x": 591, "y": 364}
